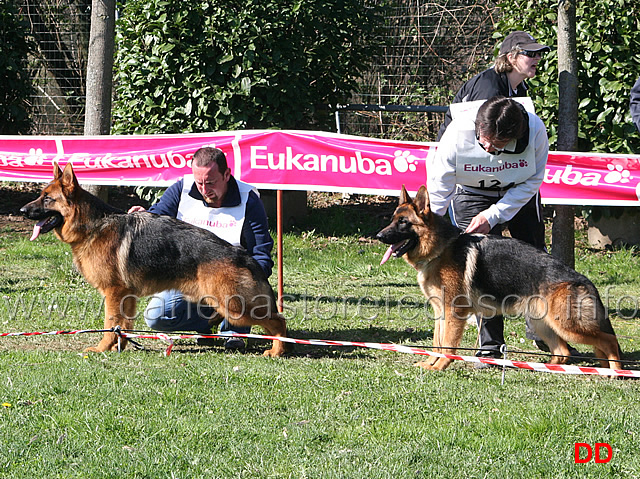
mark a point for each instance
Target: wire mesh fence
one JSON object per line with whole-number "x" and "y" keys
{"x": 431, "y": 48}
{"x": 60, "y": 29}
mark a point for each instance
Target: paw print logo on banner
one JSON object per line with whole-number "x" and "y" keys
{"x": 617, "y": 174}
{"x": 404, "y": 161}
{"x": 35, "y": 157}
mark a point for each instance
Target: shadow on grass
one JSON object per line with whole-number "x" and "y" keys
{"x": 302, "y": 301}
{"x": 419, "y": 338}
{"x": 416, "y": 338}
{"x": 632, "y": 356}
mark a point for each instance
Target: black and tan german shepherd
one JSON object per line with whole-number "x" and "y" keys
{"x": 126, "y": 256}
{"x": 463, "y": 274}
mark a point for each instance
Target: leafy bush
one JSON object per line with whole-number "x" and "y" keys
{"x": 15, "y": 84}
{"x": 214, "y": 65}
{"x": 608, "y": 50}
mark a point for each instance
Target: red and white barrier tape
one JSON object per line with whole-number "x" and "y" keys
{"x": 57, "y": 333}
{"x": 549, "y": 368}
{"x": 542, "y": 367}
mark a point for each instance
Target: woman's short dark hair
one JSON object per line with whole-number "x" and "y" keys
{"x": 207, "y": 155}
{"x": 501, "y": 118}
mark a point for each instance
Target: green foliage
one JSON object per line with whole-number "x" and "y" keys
{"x": 608, "y": 50}
{"x": 152, "y": 194}
{"x": 15, "y": 84}
{"x": 213, "y": 65}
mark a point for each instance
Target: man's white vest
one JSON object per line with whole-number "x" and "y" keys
{"x": 225, "y": 222}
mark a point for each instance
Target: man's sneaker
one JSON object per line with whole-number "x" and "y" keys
{"x": 234, "y": 344}
{"x": 486, "y": 366}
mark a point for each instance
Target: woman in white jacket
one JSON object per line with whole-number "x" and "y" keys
{"x": 489, "y": 167}
{"x": 487, "y": 173}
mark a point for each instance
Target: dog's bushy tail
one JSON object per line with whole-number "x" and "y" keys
{"x": 578, "y": 307}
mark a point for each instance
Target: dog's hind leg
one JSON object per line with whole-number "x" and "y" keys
{"x": 606, "y": 347}
{"x": 578, "y": 316}
{"x": 559, "y": 350}
{"x": 558, "y": 346}
{"x": 273, "y": 326}
{"x": 261, "y": 312}
{"x": 120, "y": 310}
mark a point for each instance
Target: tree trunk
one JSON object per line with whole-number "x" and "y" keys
{"x": 563, "y": 234}
{"x": 97, "y": 120}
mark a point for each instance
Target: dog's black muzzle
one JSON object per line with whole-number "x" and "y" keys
{"x": 400, "y": 242}
{"x": 46, "y": 219}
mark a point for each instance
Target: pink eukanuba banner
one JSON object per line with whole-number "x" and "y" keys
{"x": 297, "y": 160}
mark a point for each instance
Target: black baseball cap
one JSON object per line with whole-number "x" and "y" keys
{"x": 522, "y": 40}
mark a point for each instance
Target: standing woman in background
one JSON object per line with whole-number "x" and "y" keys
{"x": 517, "y": 61}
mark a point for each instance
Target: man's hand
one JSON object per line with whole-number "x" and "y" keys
{"x": 136, "y": 208}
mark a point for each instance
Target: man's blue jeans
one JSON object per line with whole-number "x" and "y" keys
{"x": 170, "y": 311}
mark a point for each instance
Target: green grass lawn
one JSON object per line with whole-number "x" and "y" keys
{"x": 319, "y": 413}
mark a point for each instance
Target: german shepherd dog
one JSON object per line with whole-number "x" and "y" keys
{"x": 126, "y": 256}
{"x": 463, "y": 274}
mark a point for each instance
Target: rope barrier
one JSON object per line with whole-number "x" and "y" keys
{"x": 57, "y": 333}
{"x": 532, "y": 366}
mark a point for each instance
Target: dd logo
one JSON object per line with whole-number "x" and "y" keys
{"x": 589, "y": 452}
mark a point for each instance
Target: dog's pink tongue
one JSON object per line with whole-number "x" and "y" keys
{"x": 36, "y": 230}
{"x": 387, "y": 255}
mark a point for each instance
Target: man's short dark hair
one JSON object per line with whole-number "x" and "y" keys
{"x": 208, "y": 155}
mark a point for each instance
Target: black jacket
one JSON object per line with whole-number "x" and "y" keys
{"x": 483, "y": 86}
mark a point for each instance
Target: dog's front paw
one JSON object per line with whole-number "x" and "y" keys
{"x": 424, "y": 365}
{"x": 273, "y": 353}
{"x": 277, "y": 350}
{"x": 102, "y": 347}
{"x": 94, "y": 349}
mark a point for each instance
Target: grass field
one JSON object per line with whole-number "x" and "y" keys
{"x": 319, "y": 413}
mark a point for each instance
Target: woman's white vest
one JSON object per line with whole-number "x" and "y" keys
{"x": 225, "y": 222}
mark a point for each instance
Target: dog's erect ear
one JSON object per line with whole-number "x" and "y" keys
{"x": 404, "y": 196}
{"x": 57, "y": 172}
{"x": 422, "y": 199}
{"x": 69, "y": 179}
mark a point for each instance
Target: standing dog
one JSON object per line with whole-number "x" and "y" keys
{"x": 463, "y": 274}
{"x": 126, "y": 256}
